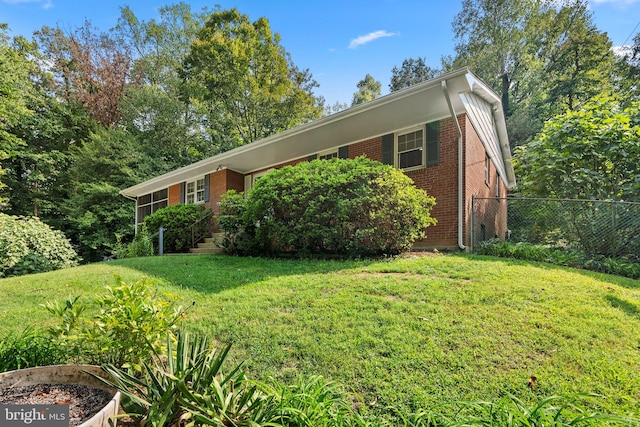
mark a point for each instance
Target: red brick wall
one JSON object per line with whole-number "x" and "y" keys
{"x": 219, "y": 183}
{"x": 174, "y": 194}
{"x": 490, "y": 215}
{"x": 441, "y": 182}
{"x": 372, "y": 148}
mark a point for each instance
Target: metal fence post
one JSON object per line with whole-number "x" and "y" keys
{"x": 614, "y": 231}
{"x": 473, "y": 223}
{"x": 161, "y": 241}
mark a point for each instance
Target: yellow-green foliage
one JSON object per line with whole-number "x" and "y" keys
{"x": 27, "y": 245}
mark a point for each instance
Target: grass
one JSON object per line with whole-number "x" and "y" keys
{"x": 408, "y": 333}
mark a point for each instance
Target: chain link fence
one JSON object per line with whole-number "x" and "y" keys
{"x": 595, "y": 227}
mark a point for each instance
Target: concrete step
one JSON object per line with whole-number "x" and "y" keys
{"x": 206, "y": 251}
{"x": 210, "y": 245}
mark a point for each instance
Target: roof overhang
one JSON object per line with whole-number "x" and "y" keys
{"x": 421, "y": 103}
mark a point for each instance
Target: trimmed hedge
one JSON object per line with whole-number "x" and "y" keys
{"x": 27, "y": 245}
{"x": 356, "y": 207}
{"x": 177, "y": 221}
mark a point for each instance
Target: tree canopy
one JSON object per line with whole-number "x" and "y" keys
{"x": 247, "y": 80}
{"x": 411, "y": 72}
{"x": 14, "y": 93}
{"x": 588, "y": 153}
{"x": 368, "y": 90}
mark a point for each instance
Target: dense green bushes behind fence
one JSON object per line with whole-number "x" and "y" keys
{"x": 597, "y": 228}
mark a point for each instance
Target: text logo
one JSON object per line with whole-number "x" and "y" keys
{"x": 34, "y": 415}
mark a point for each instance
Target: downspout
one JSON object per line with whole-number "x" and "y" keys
{"x": 460, "y": 168}
{"x": 135, "y": 221}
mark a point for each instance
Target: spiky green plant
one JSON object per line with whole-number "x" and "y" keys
{"x": 553, "y": 411}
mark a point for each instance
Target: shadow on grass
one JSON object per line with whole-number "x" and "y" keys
{"x": 628, "y": 307}
{"x": 217, "y": 273}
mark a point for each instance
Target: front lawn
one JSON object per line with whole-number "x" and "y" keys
{"x": 411, "y": 332}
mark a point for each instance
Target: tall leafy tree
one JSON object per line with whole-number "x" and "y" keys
{"x": 15, "y": 89}
{"x": 159, "y": 46}
{"x": 91, "y": 69}
{"x": 542, "y": 56}
{"x": 153, "y": 112}
{"x": 246, "y": 82}
{"x": 108, "y": 162}
{"x": 368, "y": 90}
{"x": 38, "y": 174}
{"x": 578, "y": 57}
{"x": 627, "y": 70}
{"x": 490, "y": 37}
{"x": 411, "y": 72}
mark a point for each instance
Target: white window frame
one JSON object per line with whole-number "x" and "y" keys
{"x": 328, "y": 154}
{"x": 197, "y": 191}
{"x": 397, "y": 152}
{"x": 487, "y": 169}
{"x": 154, "y": 204}
{"x": 250, "y": 180}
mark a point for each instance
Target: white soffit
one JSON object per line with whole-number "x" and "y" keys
{"x": 421, "y": 103}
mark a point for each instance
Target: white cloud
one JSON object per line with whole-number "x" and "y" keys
{"x": 46, "y": 4}
{"x": 361, "y": 40}
{"x": 622, "y": 51}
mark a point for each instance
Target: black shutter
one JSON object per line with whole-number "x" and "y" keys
{"x": 182, "y": 192}
{"x": 343, "y": 152}
{"x": 313, "y": 157}
{"x": 433, "y": 143}
{"x": 207, "y": 181}
{"x": 388, "y": 149}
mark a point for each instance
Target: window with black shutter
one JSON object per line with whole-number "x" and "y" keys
{"x": 414, "y": 148}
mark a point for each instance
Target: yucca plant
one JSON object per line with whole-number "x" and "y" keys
{"x": 188, "y": 387}
{"x": 553, "y": 411}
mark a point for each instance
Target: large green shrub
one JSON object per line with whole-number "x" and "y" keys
{"x": 339, "y": 206}
{"x": 177, "y": 220}
{"x": 27, "y": 245}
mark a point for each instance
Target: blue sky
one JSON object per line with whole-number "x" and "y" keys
{"x": 339, "y": 41}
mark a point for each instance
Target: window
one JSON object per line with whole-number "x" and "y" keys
{"x": 334, "y": 153}
{"x": 414, "y": 148}
{"x": 195, "y": 191}
{"x": 410, "y": 149}
{"x": 327, "y": 155}
{"x": 250, "y": 180}
{"x": 149, "y": 203}
{"x": 487, "y": 169}
{"x": 497, "y": 184}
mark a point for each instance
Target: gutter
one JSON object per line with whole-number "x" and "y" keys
{"x": 460, "y": 168}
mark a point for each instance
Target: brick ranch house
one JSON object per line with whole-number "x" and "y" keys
{"x": 448, "y": 134}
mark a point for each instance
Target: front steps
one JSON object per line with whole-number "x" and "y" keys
{"x": 209, "y": 246}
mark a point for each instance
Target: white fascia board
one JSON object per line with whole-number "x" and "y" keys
{"x": 486, "y": 93}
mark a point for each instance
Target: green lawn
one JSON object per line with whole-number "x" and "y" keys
{"x": 410, "y": 332}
